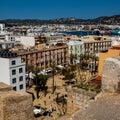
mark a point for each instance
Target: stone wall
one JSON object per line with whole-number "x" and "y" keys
{"x": 15, "y": 105}
{"x": 111, "y": 75}
{"x": 106, "y": 103}
{"x": 77, "y": 98}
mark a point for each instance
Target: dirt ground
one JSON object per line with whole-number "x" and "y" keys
{"x": 49, "y": 100}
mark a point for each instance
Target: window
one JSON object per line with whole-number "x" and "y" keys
{"x": 13, "y": 62}
{"x": 14, "y": 80}
{"x": 13, "y": 72}
{"x": 20, "y": 70}
{"x": 21, "y": 78}
{"x": 21, "y": 87}
{"x": 14, "y": 88}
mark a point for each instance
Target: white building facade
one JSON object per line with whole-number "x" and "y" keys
{"x": 27, "y": 41}
{"x": 7, "y": 39}
{"x": 75, "y": 48}
{"x": 12, "y": 72}
{"x": 2, "y": 27}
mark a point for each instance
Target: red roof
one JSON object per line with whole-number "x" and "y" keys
{"x": 116, "y": 47}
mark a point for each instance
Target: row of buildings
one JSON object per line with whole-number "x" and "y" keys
{"x": 25, "y": 52}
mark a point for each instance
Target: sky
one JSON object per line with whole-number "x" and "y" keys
{"x": 52, "y": 9}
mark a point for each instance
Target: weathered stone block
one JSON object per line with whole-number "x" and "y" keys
{"x": 111, "y": 75}
{"x": 15, "y": 105}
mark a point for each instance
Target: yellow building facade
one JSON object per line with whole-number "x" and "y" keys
{"x": 115, "y": 51}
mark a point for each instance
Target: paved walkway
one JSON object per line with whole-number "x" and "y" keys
{"x": 106, "y": 107}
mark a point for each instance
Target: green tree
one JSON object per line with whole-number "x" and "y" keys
{"x": 68, "y": 73}
{"x": 29, "y": 68}
{"x": 94, "y": 60}
{"x": 71, "y": 58}
{"x": 40, "y": 81}
{"x": 83, "y": 68}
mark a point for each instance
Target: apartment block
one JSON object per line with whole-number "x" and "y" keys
{"x": 76, "y": 47}
{"x": 96, "y": 44}
{"x": 45, "y": 57}
{"x": 12, "y": 70}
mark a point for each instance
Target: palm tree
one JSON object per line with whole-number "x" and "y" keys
{"x": 82, "y": 60}
{"x": 30, "y": 71}
{"x": 71, "y": 58}
{"x": 83, "y": 67}
{"x": 53, "y": 74}
{"x": 95, "y": 59}
{"x": 81, "y": 56}
{"x": 29, "y": 68}
{"x": 69, "y": 73}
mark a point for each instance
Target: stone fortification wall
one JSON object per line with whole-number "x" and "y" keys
{"x": 77, "y": 98}
{"x": 106, "y": 104}
{"x": 15, "y": 105}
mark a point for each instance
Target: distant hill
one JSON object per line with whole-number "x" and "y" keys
{"x": 111, "y": 20}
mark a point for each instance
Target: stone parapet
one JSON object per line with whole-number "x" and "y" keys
{"x": 15, "y": 105}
